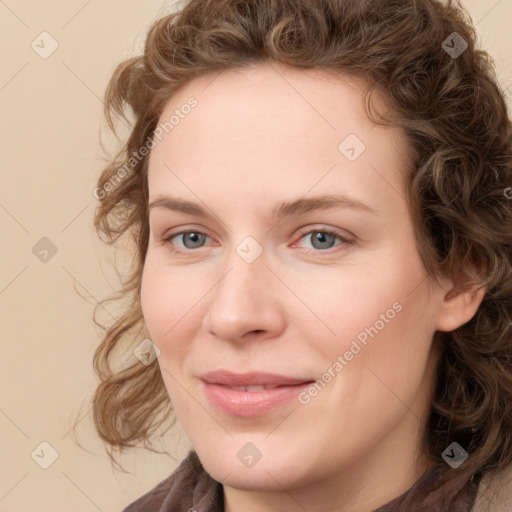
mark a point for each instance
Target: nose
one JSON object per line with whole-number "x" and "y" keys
{"x": 246, "y": 304}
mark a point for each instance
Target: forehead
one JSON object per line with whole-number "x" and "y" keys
{"x": 271, "y": 121}
{"x": 270, "y": 102}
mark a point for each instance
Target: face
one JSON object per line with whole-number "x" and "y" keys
{"x": 294, "y": 268}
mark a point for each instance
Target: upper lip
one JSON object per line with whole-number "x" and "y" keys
{"x": 227, "y": 378}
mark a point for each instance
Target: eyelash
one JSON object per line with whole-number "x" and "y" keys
{"x": 303, "y": 233}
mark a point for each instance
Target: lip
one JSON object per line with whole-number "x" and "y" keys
{"x": 217, "y": 387}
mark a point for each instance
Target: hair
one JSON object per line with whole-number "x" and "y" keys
{"x": 454, "y": 116}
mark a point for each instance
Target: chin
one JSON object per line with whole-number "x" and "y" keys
{"x": 258, "y": 478}
{"x": 270, "y": 473}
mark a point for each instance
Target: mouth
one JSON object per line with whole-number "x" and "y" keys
{"x": 251, "y": 389}
{"x": 251, "y": 394}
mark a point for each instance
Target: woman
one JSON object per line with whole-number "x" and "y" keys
{"x": 316, "y": 192}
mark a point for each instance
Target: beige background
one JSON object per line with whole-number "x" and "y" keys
{"x": 51, "y": 116}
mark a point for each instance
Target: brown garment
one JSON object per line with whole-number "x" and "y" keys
{"x": 191, "y": 489}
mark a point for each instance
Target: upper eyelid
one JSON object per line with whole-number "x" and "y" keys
{"x": 169, "y": 233}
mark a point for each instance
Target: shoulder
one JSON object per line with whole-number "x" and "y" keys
{"x": 495, "y": 492}
{"x": 188, "y": 486}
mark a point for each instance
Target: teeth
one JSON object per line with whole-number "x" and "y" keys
{"x": 251, "y": 388}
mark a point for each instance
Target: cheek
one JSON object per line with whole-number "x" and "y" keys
{"x": 153, "y": 300}
{"x": 386, "y": 348}
{"x": 166, "y": 303}
{"x": 373, "y": 317}
{"x": 357, "y": 304}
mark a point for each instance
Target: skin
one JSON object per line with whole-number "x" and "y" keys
{"x": 259, "y": 136}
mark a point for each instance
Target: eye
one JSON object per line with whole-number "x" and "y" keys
{"x": 190, "y": 239}
{"x": 322, "y": 239}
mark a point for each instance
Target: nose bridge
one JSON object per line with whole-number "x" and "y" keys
{"x": 238, "y": 288}
{"x": 245, "y": 267}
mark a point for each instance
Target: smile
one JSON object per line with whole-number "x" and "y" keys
{"x": 250, "y": 394}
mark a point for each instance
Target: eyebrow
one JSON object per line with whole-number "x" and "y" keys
{"x": 280, "y": 210}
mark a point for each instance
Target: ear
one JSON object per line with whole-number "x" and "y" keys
{"x": 460, "y": 302}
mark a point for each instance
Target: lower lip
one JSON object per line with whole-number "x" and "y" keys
{"x": 251, "y": 403}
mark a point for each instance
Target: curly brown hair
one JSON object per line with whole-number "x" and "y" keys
{"x": 455, "y": 117}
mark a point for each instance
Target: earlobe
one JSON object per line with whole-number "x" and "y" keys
{"x": 459, "y": 306}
